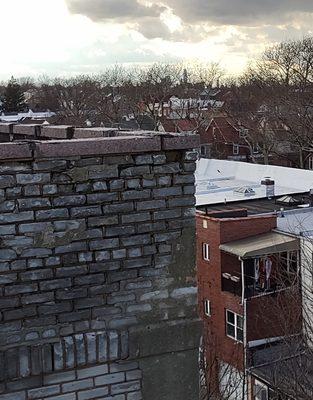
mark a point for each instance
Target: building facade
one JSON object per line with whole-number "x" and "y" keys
{"x": 247, "y": 272}
{"x": 97, "y": 265}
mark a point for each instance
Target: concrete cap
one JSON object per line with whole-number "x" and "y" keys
{"x": 66, "y": 141}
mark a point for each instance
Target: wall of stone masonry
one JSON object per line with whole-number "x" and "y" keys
{"x": 97, "y": 270}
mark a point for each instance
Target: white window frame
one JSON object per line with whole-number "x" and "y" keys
{"x": 235, "y": 149}
{"x": 235, "y": 325}
{"x": 257, "y": 395}
{"x": 207, "y": 307}
{"x": 206, "y": 251}
{"x": 310, "y": 159}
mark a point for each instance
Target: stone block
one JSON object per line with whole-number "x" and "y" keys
{"x": 29, "y": 179}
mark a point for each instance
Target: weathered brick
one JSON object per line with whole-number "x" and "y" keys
{"x": 9, "y": 303}
{"x": 110, "y": 379}
{"x": 138, "y": 262}
{"x": 54, "y": 308}
{"x": 151, "y": 227}
{"x": 7, "y": 255}
{"x": 37, "y": 298}
{"x": 125, "y": 387}
{"x": 71, "y": 271}
{"x": 135, "y": 171}
{"x": 143, "y": 159}
{"x": 138, "y": 308}
{"x": 133, "y": 184}
{"x": 102, "y": 221}
{"x": 16, "y": 217}
{"x": 104, "y": 244}
{"x": 136, "y": 240}
{"x": 59, "y": 377}
{"x": 6, "y": 206}
{"x": 103, "y": 171}
{"x": 55, "y": 284}
{"x": 77, "y": 385}
{"x": 27, "y": 204}
{"x": 43, "y": 392}
{"x": 117, "y": 184}
{"x": 52, "y": 214}
{"x": 18, "y": 289}
{"x": 36, "y": 275}
{"x": 72, "y": 200}
{"x": 93, "y": 371}
{"x": 49, "y": 189}
{"x": 85, "y": 211}
{"x": 36, "y": 252}
{"x": 167, "y": 192}
{"x": 31, "y": 190}
{"x": 150, "y": 205}
{"x": 149, "y": 183}
{"x": 134, "y": 396}
{"x": 120, "y": 298}
{"x": 136, "y": 194}
{"x": 171, "y": 168}
{"x": 93, "y": 393}
{"x": 28, "y": 179}
{"x": 14, "y": 396}
{"x": 100, "y": 198}
{"x": 71, "y": 293}
{"x": 182, "y": 202}
{"x": 12, "y": 193}
{"x": 7, "y": 230}
{"x": 119, "y": 231}
{"x": 167, "y": 214}
{"x": 159, "y": 159}
{"x": 156, "y": 295}
{"x": 6, "y": 181}
{"x": 184, "y": 179}
{"x": 89, "y": 279}
{"x": 34, "y": 227}
{"x": 137, "y": 217}
{"x": 118, "y": 208}
{"x": 191, "y": 156}
{"x": 165, "y": 180}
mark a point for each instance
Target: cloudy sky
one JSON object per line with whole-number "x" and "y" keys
{"x": 62, "y": 37}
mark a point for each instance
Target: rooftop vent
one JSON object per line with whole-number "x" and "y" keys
{"x": 244, "y": 191}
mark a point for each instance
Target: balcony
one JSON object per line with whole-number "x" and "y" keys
{"x": 259, "y": 265}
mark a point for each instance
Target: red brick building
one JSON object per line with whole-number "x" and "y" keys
{"x": 244, "y": 267}
{"x": 222, "y": 138}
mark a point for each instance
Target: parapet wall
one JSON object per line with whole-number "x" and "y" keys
{"x": 97, "y": 267}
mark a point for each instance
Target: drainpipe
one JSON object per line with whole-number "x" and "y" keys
{"x": 242, "y": 281}
{"x": 244, "y": 304}
{"x": 245, "y": 343}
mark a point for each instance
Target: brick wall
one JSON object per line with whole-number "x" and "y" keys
{"x": 97, "y": 269}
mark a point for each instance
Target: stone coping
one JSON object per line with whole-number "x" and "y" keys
{"x": 36, "y": 141}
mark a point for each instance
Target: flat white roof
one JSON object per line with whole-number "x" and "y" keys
{"x": 296, "y": 222}
{"x": 216, "y": 180}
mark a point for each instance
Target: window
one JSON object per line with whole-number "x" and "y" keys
{"x": 255, "y": 148}
{"x": 235, "y": 149}
{"x": 207, "y": 308}
{"x": 203, "y": 151}
{"x": 243, "y": 132}
{"x": 260, "y": 391}
{"x": 234, "y": 326}
{"x": 311, "y": 162}
{"x": 206, "y": 251}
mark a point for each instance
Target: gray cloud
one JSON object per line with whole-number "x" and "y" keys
{"x": 194, "y": 14}
{"x": 118, "y": 10}
{"x": 237, "y": 12}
